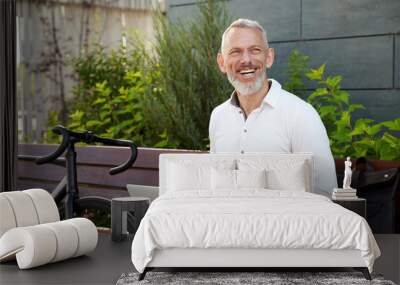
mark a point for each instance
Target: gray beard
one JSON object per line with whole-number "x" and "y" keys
{"x": 247, "y": 89}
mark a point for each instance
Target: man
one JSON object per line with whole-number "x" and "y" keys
{"x": 260, "y": 116}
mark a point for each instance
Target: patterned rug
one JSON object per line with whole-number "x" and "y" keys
{"x": 243, "y": 278}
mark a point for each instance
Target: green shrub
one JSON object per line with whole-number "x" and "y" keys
{"x": 190, "y": 80}
{"x": 348, "y": 137}
{"x": 297, "y": 67}
{"x": 110, "y": 93}
{"x": 158, "y": 98}
{"x": 50, "y": 137}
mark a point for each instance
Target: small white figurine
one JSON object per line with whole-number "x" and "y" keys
{"x": 347, "y": 174}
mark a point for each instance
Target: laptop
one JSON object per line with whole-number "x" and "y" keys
{"x": 142, "y": 191}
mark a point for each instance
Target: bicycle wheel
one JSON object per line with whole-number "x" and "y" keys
{"x": 98, "y": 210}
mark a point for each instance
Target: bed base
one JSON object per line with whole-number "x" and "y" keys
{"x": 363, "y": 270}
{"x": 250, "y": 259}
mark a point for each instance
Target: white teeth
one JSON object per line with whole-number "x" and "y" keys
{"x": 247, "y": 71}
{"x": 248, "y": 75}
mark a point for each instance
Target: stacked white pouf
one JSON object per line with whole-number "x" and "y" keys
{"x": 31, "y": 230}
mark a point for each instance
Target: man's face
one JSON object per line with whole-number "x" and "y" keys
{"x": 245, "y": 58}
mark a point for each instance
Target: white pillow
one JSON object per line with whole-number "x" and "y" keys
{"x": 251, "y": 178}
{"x": 292, "y": 178}
{"x": 223, "y": 179}
{"x": 183, "y": 177}
{"x": 231, "y": 180}
{"x": 186, "y": 174}
{"x": 282, "y": 174}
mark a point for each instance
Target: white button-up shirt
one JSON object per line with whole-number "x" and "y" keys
{"x": 282, "y": 123}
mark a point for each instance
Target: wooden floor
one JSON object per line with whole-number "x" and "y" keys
{"x": 111, "y": 259}
{"x": 103, "y": 266}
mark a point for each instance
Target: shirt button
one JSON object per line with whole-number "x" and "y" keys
{"x": 245, "y": 130}
{"x": 242, "y": 151}
{"x": 240, "y": 112}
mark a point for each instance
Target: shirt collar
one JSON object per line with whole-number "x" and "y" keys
{"x": 234, "y": 99}
{"x": 273, "y": 93}
{"x": 271, "y": 98}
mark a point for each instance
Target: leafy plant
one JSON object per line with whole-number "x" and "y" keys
{"x": 296, "y": 69}
{"x": 158, "y": 98}
{"x": 191, "y": 83}
{"x": 348, "y": 137}
{"x": 49, "y": 136}
{"x": 110, "y": 94}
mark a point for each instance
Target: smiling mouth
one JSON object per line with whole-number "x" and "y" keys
{"x": 249, "y": 72}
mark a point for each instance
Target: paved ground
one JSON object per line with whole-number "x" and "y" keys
{"x": 111, "y": 259}
{"x": 103, "y": 266}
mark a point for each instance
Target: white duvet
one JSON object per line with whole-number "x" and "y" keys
{"x": 250, "y": 219}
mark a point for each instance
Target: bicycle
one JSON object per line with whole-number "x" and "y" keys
{"x": 66, "y": 193}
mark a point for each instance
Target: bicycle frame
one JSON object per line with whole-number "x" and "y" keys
{"x": 72, "y": 181}
{"x": 68, "y": 187}
{"x": 60, "y": 191}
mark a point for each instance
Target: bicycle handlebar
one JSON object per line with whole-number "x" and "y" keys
{"x": 58, "y": 161}
{"x": 71, "y": 137}
{"x": 60, "y": 130}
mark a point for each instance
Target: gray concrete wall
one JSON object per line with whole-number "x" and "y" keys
{"x": 358, "y": 39}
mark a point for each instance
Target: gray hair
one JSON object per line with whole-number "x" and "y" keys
{"x": 244, "y": 23}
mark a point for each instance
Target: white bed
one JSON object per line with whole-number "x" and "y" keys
{"x": 230, "y": 210}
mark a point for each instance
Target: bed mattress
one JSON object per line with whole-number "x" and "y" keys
{"x": 250, "y": 219}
